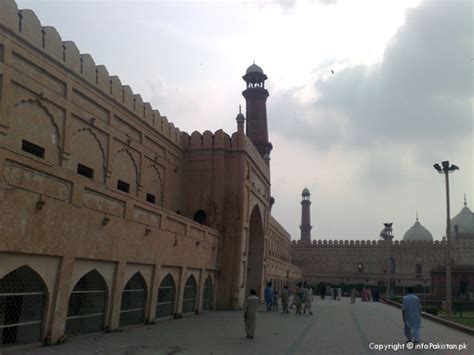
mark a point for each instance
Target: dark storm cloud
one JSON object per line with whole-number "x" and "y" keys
{"x": 421, "y": 90}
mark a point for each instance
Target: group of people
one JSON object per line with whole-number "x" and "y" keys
{"x": 302, "y": 300}
{"x": 411, "y": 307}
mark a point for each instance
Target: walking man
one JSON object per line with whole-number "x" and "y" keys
{"x": 353, "y": 295}
{"x": 268, "y": 293}
{"x": 298, "y": 299}
{"x": 308, "y": 295}
{"x": 284, "y": 299}
{"x": 411, "y": 308}
{"x": 250, "y": 313}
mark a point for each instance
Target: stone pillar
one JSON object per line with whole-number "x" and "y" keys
{"x": 200, "y": 290}
{"x": 153, "y": 293}
{"x": 113, "y": 316}
{"x": 180, "y": 289}
{"x": 60, "y": 302}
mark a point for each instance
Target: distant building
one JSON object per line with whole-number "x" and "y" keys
{"x": 365, "y": 262}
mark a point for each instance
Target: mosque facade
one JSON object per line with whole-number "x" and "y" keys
{"x": 417, "y": 260}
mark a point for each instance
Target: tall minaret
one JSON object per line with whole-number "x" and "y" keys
{"x": 305, "y": 216}
{"x": 256, "y": 99}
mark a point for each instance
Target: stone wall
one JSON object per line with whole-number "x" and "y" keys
{"x": 366, "y": 262}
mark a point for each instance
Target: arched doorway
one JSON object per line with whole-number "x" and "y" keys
{"x": 86, "y": 309}
{"x": 200, "y": 217}
{"x": 207, "y": 295}
{"x": 22, "y": 302}
{"x": 132, "y": 309}
{"x": 255, "y": 253}
{"x": 189, "y": 296}
{"x": 166, "y": 297}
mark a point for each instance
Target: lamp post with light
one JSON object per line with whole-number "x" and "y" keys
{"x": 386, "y": 234}
{"x": 445, "y": 169}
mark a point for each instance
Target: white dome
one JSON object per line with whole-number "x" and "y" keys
{"x": 418, "y": 233}
{"x": 464, "y": 220}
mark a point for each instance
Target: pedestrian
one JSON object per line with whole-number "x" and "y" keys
{"x": 353, "y": 295}
{"x": 339, "y": 293}
{"x": 275, "y": 301}
{"x": 323, "y": 291}
{"x": 308, "y": 299}
{"x": 298, "y": 298}
{"x": 411, "y": 308}
{"x": 250, "y": 313}
{"x": 268, "y": 293}
{"x": 284, "y": 299}
{"x": 369, "y": 294}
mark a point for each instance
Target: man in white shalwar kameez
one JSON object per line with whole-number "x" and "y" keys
{"x": 411, "y": 308}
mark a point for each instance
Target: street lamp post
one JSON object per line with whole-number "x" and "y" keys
{"x": 445, "y": 169}
{"x": 386, "y": 234}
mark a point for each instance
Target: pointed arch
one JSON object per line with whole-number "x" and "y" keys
{"x": 166, "y": 301}
{"x": 87, "y": 305}
{"x": 189, "y": 295}
{"x": 31, "y": 123}
{"x": 122, "y": 171}
{"x": 153, "y": 184}
{"x": 132, "y": 309}
{"x": 95, "y": 159}
{"x": 23, "y": 299}
{"x": 256, "y": 252}
{"x": 46, "y": 111}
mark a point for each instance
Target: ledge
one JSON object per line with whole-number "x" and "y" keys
{"x": 436, "y": 319}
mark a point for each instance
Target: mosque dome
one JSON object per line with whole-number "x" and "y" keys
{"x": 418, "y": 233}
{"x": 254, "y": 68}
{"x": 464, "y": 221}
{"x": 305, "y": 192}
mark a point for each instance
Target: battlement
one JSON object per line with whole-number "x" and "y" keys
{"x": 319, "y": 243}
{"x": 222, "y": 140}
{"x": 26, "y": 24}
{"x": 207, "y": 140}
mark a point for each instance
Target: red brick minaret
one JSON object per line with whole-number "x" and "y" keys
{"x": 256, "y": 98}
{"x": 305, "y": 216}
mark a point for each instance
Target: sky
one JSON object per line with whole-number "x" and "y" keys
{"x": 363, "y": 139}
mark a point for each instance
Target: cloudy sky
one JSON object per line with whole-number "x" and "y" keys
{"x": 363, "y": 139}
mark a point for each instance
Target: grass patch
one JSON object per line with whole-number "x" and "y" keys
{"x": 468, "y": 322}
{"x": 467, "y": 314}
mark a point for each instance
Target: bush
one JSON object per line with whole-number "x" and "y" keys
{"x": 431, "y": 309}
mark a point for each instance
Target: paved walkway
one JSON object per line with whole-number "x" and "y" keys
{"x": 336, "y": 328}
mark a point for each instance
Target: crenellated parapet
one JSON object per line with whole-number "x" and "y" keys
{"x": 207, "y": 140}
{"x": 221, "y": 140}
{"x": 365, "y": 243}
{"x": 47, "y": 40}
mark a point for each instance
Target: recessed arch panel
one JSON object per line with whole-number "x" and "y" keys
{"x": 23, "y": 297}
{"x": 87, "y": 304}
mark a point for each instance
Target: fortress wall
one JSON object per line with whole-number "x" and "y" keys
{"x": 47, "y": 40}
{"x": 338, "y": 261}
